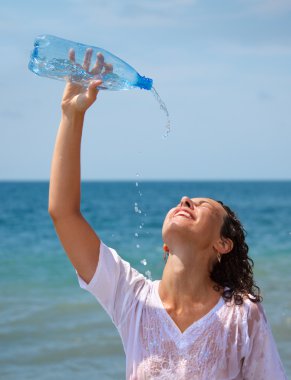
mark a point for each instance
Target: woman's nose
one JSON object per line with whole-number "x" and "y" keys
{"x": 186, "y": 202}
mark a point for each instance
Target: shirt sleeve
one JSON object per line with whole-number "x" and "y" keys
{"x": 116, "y": 285}
{"x": 262, "y": 359}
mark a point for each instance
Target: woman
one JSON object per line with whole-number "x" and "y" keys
{"x": 203, "y": 320}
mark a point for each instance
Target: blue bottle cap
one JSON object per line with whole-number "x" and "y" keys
{"x": 145, "y": 83}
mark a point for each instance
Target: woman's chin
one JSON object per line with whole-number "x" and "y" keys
{"x": 181, "y": 222}
{"x": 177, "y": 228}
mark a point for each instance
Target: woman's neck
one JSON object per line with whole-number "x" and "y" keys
{"x": 186, "y": 281}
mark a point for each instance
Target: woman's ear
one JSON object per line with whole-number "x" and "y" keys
{"x": 224, "y": 245}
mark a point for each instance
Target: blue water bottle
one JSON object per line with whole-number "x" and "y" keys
{"x": 50, "y": 58}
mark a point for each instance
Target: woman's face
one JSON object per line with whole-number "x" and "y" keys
{"x": 197, "y": 221}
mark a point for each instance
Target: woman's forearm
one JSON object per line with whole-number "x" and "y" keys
{"x": 64, "y": 192}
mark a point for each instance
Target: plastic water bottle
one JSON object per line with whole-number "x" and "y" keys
{"x": 50, "y": 58}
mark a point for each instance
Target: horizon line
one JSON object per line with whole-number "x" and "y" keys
{"x": 159, "y": 180}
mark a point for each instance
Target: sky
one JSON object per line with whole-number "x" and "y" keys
{"x": 223, "y": 69}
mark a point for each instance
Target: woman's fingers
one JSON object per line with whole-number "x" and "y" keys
{"x": 108, "y": 68}
{"x": 87, "y": 59}
{"x": 92, "y": 88}
{"x": 98, "y": 65}
{"x": 72, "y": 56}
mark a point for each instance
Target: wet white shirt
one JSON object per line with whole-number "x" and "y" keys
{"x": 229, "y": 343}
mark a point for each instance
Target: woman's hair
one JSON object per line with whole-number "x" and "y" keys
{"x": 234, "y": 273}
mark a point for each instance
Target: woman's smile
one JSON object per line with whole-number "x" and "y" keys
{"x": 183, "y": 213}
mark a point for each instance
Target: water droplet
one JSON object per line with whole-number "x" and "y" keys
{"x": 137, "y": 174}
{"x": 136, "y": 208}
{"x": 136, "y": 234}
{"x": 140, "y": 227}
{"x": 137, "y": 246}
{"x": 168, "y": 130}
{"x": 143, "y": 262}
{"x": 148, "y": 274}
{"x": 136, "y": 184}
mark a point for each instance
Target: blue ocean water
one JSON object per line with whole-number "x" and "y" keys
{"x": 52, "y": 330}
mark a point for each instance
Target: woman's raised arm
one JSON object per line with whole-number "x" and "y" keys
{"x": 77, "y": 237}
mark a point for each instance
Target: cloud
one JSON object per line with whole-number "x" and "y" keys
{"x": 133, "y": 14}
{"x": 271, "y": 6}
{"x": 256, "y": 49}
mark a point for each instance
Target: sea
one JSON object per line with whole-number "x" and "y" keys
{"x": 50, "y": 329}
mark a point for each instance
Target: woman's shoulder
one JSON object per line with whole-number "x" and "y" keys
{"x": 247, "y": 308}
{"x": 255, "y": 310}
{"x": 246, "y": 318}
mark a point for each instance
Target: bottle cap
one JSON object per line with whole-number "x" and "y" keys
{"x": 145, "y": 83}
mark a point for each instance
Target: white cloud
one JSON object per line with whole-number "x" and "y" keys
{"x": 272, "y": 6}
{"x": 263, "y": 7}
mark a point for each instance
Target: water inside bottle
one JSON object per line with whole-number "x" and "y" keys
{"x": 164, "y": 109}
{"x": 65, "y": 69}
{"x": 59, "y": 69}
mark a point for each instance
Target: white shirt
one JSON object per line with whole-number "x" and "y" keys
{"x": 230, "y": 342}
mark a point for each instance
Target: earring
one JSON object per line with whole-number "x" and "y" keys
{"x": 166, "y": 248}
{"x": 218, "y": 257}
{"x": 166, "y": 252}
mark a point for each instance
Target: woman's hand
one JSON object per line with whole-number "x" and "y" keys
{"x": 77, "y": 98}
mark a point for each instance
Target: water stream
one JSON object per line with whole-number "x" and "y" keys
{"x": 137, "y": 207}
{"x": 164, "y": 109}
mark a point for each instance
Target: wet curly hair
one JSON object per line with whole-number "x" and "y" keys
{"x": 234, "y": 273}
